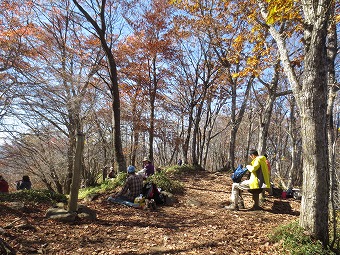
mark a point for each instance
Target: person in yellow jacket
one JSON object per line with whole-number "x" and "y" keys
{"x": 259, "y": 180}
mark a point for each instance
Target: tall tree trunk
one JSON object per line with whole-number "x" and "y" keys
{"x": 233, "y": 131}
{"x": 250, "y": 131}
{"x": 232, "y": 145}
{"x": 135, "y": 144}
{"x": 195, "y": 134}
{"x": 136, "y": 126}
{"x": 119, "y": 157}
{"x": 55, "y": 179}
{"x": 113, "y": 86}
{"x": 207, "y": 131}
{"x": 151, "y": 132}
{"x": 152, "y": 126}
{"x": 312, "y": 101}
{"x": 185, "y": 146}
{"x": 293, "y": 135}
{"x": 70, "y": 159}
{"x": 266, "y": 114}
{"x": 152, "y": 93}
{"x": 73, "y": 201}
{"x": 332, "y": 92}
{"x": 236, "y": 119}
{"x": 104, "y": 143}
{"x": 314, "y": 205}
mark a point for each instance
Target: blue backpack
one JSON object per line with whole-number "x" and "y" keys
{"x": 238, "y": 173}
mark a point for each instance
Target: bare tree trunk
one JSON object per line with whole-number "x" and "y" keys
{"x": 236, "y": 119}
{"x": 195, "y": 133}
{"x": 135, "y": 143}
{"x": 206, "y": 136}
{"x": 265, "y": 116}
{"x": 331, "y": 133}
{"x": 113, "y": 86}
{"x": 152, "y": 93}
{"x": 118, "y": 149}
{"x": 56, "y": 180}
{"x": 185, "y": 146}
{"x": 70, "y": 157}
{"x": 250, "y": 129}
{"x": 314, "y": 205}
{"x": 293, "y": 134}
{"x": 151, "y": 130}
{"x": 105, "y": 144}
{"x": 73, "y": 201}
{"x": 311, "y": 97}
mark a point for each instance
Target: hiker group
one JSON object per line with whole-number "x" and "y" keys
{"x": 24, "y": 183}
{"x": 134, "y": 192}
{"x": 138, "y": 193}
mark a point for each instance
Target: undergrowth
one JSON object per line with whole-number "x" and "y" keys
{"x": 177, "y": 170}
{"x": 106, "y": 186}
{"x": 36, "y": 196}
{"x": 163, "y": 179}
{"x": 295, "y": 242}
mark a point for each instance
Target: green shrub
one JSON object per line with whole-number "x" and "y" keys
{"x": 181, "y": 170}
{"x": 106, "y": 186}
{"x": 334, "y": 227}
{"x": 36, "y": 196}
{"x": 162, "y": 181}
{"x": 295, "y": 242}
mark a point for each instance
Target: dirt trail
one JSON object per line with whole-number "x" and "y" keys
{"x": 197, "y": 224}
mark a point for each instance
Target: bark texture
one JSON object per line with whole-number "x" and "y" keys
{"x": 311, "y": 97}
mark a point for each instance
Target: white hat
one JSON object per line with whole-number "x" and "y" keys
{"x": 146, "y": 159}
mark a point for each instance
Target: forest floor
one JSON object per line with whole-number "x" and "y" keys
{"x": 196, "y": 224}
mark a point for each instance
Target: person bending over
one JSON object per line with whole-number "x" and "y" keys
{"x": 259, "y": 180}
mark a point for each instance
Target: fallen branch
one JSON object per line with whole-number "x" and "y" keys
{"x": 5, "y": 249}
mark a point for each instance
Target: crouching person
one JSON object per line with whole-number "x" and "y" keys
{"x": 259, "y": 180}
{"x": 132, "y": 188}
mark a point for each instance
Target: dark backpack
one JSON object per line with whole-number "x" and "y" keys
{"x": 238, "y": 173}
{"x": 289, "y": 193}
{"x": 150, "y": 191}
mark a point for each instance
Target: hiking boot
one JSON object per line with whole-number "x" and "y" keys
{"x": 241, "y": 205}
{"x": 232, "y": 207}
{"x": 153, "y": 204}
{"x": 150, "y": 204}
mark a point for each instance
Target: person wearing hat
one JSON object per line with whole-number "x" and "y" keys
{"x": 132, "y": 188}
{"x": 148, "y": 168}
{"x": 112, "y": 173}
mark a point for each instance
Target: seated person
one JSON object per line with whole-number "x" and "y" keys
{"x": 112, "y": 173}
{"x": 148, "y": 167}
{"x": 132, "y": 188}
{"x": 25, "y": 183}
{"x": 259, "y": 180}
{"x": 3, "y": 185}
